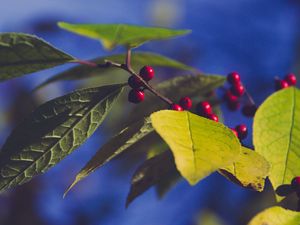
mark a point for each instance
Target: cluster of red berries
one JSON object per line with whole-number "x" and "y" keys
{"x": 137, "y": 95}
{"x": 204, "y": 109}
{"x": 233, "y": 95}
{"x": 289, "y": 80}
{"x": 241, "y": 131}
{"x": 185, "y": 103}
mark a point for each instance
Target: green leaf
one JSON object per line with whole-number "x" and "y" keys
{"x": 114, "y": 147}
{"x": 23, "y": 53}
{"x": 150, "y": 173}
{"x": 200, "y": 146}
{"x": 276, "y": 134}
{"x": 250, "y": 170}
{"x": 52, "y": 132}
{"x": 138, "y": 60}
{"x": 276, "y": 216}
{"x": 198, "y": 85}
{"x": 112, "y": 35}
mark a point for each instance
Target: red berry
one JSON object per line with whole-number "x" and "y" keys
{"x": 136, "y": 96}
{"x": 291, "y": 79}
{"x": 147, "y": 73}
{"x": 213, "y": 117}
{"x": 230, "y": 97}
{"x": 233, "y": 78}
{"x": 234, "y": 131}
{"x": 176, "y": 107}
{"x": 280, "y": 84}
{"x": 231, "y": 100}
{"x": 135, "y": 82}
{"x": 296, "y": 184}
{"x": 185, "y": 103}
{"x": 242, "y": 131}
{"x": 237, "y": 89}
{"x": 204, "y": 108}
{"x": 249, "y": 110}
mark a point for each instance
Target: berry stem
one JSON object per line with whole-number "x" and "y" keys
{"x": 249, "y": 97}
{"x": 86, "y": 63}
{"x": 128, "y": 59}
{"x": 127, "y": 67}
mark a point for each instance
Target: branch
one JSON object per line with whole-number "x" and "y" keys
{"x": 127, "y": 67}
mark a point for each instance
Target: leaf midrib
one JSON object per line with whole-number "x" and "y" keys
{"x": 192, "y": 140}
{"x": 291, "y": 134}
{"x": 58, "y": 140}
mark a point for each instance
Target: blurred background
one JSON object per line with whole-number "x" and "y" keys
{"x": 259, "y": 39}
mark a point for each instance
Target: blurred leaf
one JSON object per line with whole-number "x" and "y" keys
{"x": 209, "y": 218}
{"x": 156, "y": 149}
{"x": 138, "y": 60}
{"x": 150, "y": 173}
{"x": 276, "y": 216}
{"x": 250, "y": 170}
{"x": 52, "y": 132}
{"x": 276, "y": 134}
{"x": 164, "y": 185}
{"x": 114, "y": 147}
{"x": 21, "y": 54}
{"x": 188, "y": 85}
{"x": 112, "y": 35}
{"x": 200, "y": 146}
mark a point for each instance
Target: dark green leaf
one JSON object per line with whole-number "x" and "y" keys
{"x": 23, "y": 53}
{"x": 138, "y": 60}
{"x": 52, "y": 132}
{"x": 150, "y": 173}
{"x": 114, "y": 147}
{"x": 130, "y": 36}
{"x": 164, "y": 185}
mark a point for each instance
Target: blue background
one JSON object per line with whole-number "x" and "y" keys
{"x": 260, "y": 39}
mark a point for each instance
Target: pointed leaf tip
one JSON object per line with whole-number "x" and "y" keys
{"x": 22, "y": 54}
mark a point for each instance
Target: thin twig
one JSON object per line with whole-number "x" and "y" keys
{"x": 249, "y": 97}
{"x": 127, "y": 67}
{"x": 86, "y": 63}
{"x": 128, "y": 59}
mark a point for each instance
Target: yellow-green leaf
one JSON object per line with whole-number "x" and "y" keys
{"x": 21, "y": 54}
{"x": 250, "y": 170}
{"x": 276, "y": 134}
{"x": 112, "y": 35}
{"x": 200, "y": 146}
{"x": 276, "y": 216}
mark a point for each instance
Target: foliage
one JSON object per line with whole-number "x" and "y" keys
{"x": 276, "y": 134}
{"x": 181, "y": 144}
{"x": 276, "y": 216}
